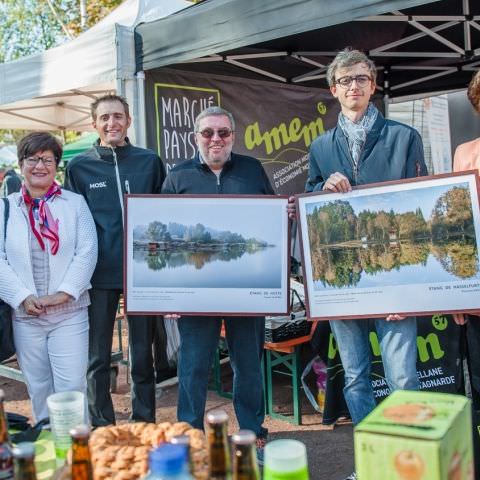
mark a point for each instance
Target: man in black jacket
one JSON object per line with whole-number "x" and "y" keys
{"x": 216, "y": 170}
{"x": 102, "y": 175}
{"x": 12, "y": 182}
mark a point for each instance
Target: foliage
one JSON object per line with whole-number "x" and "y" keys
{"x": 30, "y": 26}
{"x": 332, "y": 223}
{"x": 344, "y": 244}
{"x": 336, "y": 222}
{"x": 343, "y": 267}
{"x": 159, "y": 232}
{"x": 452, "y": 212}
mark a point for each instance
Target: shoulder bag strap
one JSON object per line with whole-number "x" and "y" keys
{"x": 7, "y": 213}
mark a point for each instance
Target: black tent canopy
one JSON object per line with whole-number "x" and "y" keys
{"x": 419, "y": 46}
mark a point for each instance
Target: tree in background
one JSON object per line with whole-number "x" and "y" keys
{"x": 28, "y": 27}
{"x": 31, "y": 26}
{"x": 452, "y": 213}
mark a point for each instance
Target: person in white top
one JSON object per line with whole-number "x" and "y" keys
{"x": 47, "y": 257}
{"x": 467, "y": 157}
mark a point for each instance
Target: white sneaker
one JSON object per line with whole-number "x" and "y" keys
{"x": 352, "y": 476}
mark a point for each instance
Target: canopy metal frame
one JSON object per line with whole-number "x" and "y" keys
{"x": 57, "y": 102}
{"x": 453, "y": 56}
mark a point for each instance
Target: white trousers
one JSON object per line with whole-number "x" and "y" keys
{"x": 53, "y": 357}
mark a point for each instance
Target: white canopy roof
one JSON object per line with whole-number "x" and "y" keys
{"x": 53, "y": 90}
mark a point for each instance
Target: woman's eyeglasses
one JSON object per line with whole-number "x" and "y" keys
{"x": 210, "y": 132}
{"x": 33, "y": 161}
{"x": 346, "y": 82}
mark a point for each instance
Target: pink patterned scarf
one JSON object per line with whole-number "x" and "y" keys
{"x": 48, "y": 225}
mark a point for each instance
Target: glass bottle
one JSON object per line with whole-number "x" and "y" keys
{"x": 6, "y": 456}
{"x": 24, "y": 459}
{"x": 217, "y": 443}
{"x": 81, "y": 461}
{"x": 245, "y": 466}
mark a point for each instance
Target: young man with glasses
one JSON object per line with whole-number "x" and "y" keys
{"x": 215, "y": 169}
{"x": 364, "y": 148}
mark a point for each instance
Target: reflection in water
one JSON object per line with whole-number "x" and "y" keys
{"x": 355, "y": 266}
{"x": 176, "y": 258}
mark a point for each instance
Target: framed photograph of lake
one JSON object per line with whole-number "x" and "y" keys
{"x": 407, "y": 247}
{"x": 207, "y": 255}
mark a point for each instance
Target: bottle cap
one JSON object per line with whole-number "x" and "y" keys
{"x": 80, "y": 431}
{"x": 285, "y": 456}
{"x": 244, "y": 437}
{"x": 167, "y": 459}
{"x": 217, "y": 416}
{"x": 24, "y": 450}
{"x": 180, "y": 440}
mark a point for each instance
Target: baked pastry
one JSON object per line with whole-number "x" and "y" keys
{"x": 120, "y": 452}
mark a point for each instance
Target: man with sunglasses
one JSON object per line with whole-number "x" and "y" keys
{"x": 215, "y": 169}
{"x": 364, "y": 148}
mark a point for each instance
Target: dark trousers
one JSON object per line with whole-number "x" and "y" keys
{"x": 473, "y": 357}
{"x": 199, "y": 337}
{"x": 163, "y": 370}
{"x": 141, "y": 329}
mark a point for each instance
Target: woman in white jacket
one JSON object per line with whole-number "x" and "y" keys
{"x": 46, "y": 263}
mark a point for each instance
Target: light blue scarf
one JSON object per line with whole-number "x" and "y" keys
{"x": 356, "y": 132}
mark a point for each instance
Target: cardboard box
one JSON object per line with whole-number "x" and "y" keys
{"x": 416, "y": 436}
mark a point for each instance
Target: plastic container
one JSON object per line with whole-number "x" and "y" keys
{"x": 285, "y": 460}
{"x": 168, "y": 462}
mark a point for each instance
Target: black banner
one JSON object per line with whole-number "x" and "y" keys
{"x": 274, "y": 123}
{"x": 439, "y": 364}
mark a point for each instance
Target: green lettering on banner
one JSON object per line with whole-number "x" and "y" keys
{"x": 375, "y": 344}
{"x": 332, "y": 347}
{"x": 280, "y": 136}
{"x": 440, "y": 322}
{"x": 432, "y": 340}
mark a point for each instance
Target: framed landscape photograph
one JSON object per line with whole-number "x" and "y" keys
{"x": 206, "y": 255}
{"x": 408, "y": 247}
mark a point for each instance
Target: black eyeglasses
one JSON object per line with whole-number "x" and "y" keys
{"x": 210, "y": 132}
{"x": 33, "y": 161}
{"x": 346, "y": 82}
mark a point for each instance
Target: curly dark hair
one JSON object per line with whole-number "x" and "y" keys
{"x": 38, "y": 142}
{"x": 473, "y": 92}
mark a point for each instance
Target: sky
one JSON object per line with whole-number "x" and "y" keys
{"x": 260, "y": 220}
{"x": 401, "y": 201}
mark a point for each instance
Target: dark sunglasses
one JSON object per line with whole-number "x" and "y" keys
{"x": 210, "y": 132}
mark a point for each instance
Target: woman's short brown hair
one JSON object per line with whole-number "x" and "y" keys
{"x": 39, "y": 142}
{"x": 473, "y": 92}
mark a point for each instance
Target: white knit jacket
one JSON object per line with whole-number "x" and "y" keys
{"x": 70, "y": 269}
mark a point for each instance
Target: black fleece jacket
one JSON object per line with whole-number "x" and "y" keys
{"x": 92, "y": 174}
{"x": 241, "y": 175}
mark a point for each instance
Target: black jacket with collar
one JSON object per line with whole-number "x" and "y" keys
{"x": 241, "y": 175}
{"x": 92, "y": 174}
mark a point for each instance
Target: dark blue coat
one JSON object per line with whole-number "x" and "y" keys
{"x": 392, "y": 151}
